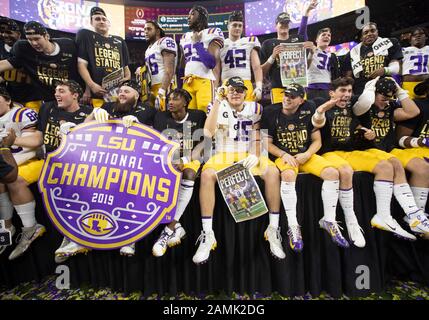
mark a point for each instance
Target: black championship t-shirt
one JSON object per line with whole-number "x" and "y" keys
{"x": 266, "y": 51}
{"x": 103, "y": 54}
{"x": 18, "y": 83}
{"x": 419, "y": 124}
{"x": 370, "y": 63}
{"x": 383, "y": 124}
{"x": 44, "y": 69}
{"x": 181, "y": 132}
{"x": 339, "y": 130}
{"x": 291, "y": 133}
{"x": 50, "y": 119}
{"x": 142, "y": 111}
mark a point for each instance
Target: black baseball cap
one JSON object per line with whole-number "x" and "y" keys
{"x": 33, "y": 28}
{"x": 133, "y": 84}
{"x": 386, "y": 87}
{"x": 295, "y": 90}
{"x": 97, "y": 10}
{"x": 422, "y": 88}
{"x": 283, "y": 17}
{"x": 9, "y": 23}
{"x": 235, "y": 82}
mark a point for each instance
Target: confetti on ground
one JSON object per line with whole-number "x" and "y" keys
{"x": 46, "y": 290}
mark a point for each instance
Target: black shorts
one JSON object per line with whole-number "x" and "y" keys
{"x": 5, "y": 168}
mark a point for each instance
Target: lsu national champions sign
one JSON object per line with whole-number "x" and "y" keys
{"x": 108, "y": 186}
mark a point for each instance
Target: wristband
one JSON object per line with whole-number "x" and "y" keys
{"x": 271, "y": 60}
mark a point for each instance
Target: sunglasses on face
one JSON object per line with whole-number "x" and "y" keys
{"x": 233, "y": 90}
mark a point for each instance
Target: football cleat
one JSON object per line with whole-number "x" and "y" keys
{"x": 129, "y": 250}
{"x": 334, "y": 231}
{"x": 419, "y": 224}
{"x": 273, "y": 236}
{"x": 67, "y": 249}
{"x": 177, "y": 236}
{"x": 12, "y": 230}
{"x": 295, "y": 238}
{"x": 207, "y": 243}
{"x": 25, "y": 238}
{"x": 161, "y": 245}
{"x": 355, "y": 233}
{"x": 391, "y": 225}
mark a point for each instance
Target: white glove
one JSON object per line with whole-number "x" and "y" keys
{"x": 257, "y": 93}
{"x": 101, "y": 115}
{"x": 160, "y": 100}
{"x": 370, "y": 85}
{"x": 250, "y": 161}
{"x": 128, "y": 121}
{"x": 401, "y": 94}
{"x": 221, "y": 93}
{"x": 66, "y": 127}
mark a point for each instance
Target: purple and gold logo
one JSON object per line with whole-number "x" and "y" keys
{"x": 108, "y": 186}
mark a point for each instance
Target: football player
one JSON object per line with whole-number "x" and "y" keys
{"x": 181, "y": 125}
{"x": 339, "y": 123}
{"x": 45, "y": 60}
{"x": 293, "y": 142}
{"x": 56, "y": 118}
{"x": 271, "y": 48}
{"x": 373, "y": 57}
{"x": 99, "y": 54}
{"x": 18, "y": 83}
{"x": 17, "y": 195}
{"x": 415, "y": 65}
{"x": 413, "y": 136}
{"x": 379, "y": 111}
{"x": 200, "y": 56}
{"x": 161, "y": 61}
{"x": 323, "y": 66}
{"x": 239, "y": 57}
{"x": 130, "y": 109}
{"x": 235, "y": 125}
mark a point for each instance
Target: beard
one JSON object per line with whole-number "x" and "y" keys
{"x": 125, "y": 107}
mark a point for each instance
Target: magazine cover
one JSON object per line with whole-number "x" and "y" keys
{"x": 293, "y": 64}
{"x": 241, "y": 193}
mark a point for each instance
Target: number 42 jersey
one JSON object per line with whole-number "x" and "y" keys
{"x": 235, "y": 57}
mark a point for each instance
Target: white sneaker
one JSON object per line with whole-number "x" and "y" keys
{"x": 12, "y": 230}
{"x": 129, "y": 250}
{"x": 26, "y": 238}
{"x": 419, "y": 224}
{"x": 391, "y": 225}
{"x": 161, "y": 245}
{"x": 355, "y": 233}
{"x": 207, "y": 243}
{"x": 272, "y": 235}
{"x": 69, "y": 249}
{"x": 177, "y": 236}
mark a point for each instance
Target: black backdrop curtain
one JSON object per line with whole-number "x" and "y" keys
{"x": 242, "y": 262}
